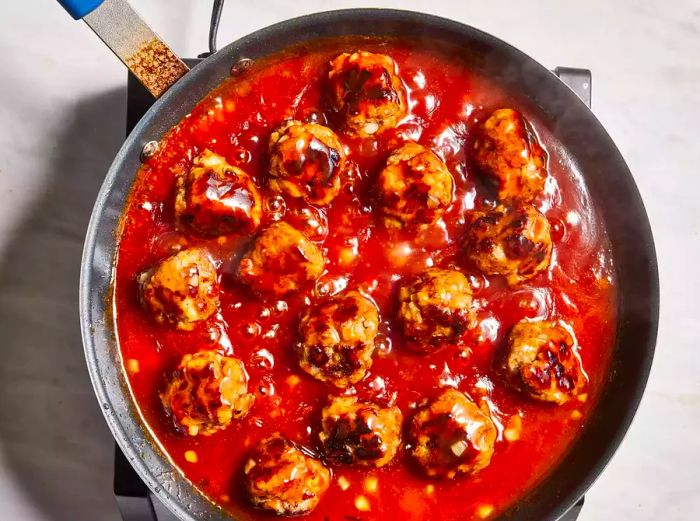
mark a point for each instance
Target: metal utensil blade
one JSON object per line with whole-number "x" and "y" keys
{"x": 135, "y": 44}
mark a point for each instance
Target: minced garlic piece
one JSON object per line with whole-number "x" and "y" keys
{"x": 191, "y": 456}
{"x": 511, "y": 435}
{"x": 362, "y": 504}
{"x": 371, "y": 484}
{"x": 343, "y": 483}
{"x": 347, "y": 256}
{"x": 371, "y": 127}
{"x": 512, "y": 431}
{"x": 132, "y": 366}
{"x": 485, "y": 511}
{"x": 459, "y": 447}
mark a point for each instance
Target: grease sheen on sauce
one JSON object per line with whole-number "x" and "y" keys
{"x": 445, "y": 99}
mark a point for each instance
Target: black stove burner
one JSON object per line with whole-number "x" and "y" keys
{"x": 135, "y": 501}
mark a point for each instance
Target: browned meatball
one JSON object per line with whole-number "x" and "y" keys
{"x": 506, "y": 149}
{"x": 435, "y": 308}
{"x": 451, "y": 435}
{"x": 182, "y": 289}
{"x": 337, "y": 338}
{"x": 360, "y": 432}
{"x": 543, "y": 361}
{"x": 415, "y": 186}
{"x": 215, "y": 198}
{"x": 367, "y": 92}
{"x": 306, "y": 161}
{"x": 282, "y": 260}
{"x": 206, "y": 392}
{"x": 283, "y": 478}
{"x": 514, "y": 242}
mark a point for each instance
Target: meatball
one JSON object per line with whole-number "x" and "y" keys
{"x": 507, "y": 151}
{"x": 366, "y": 92}
{"x": 514, "y": 242}
{"x": 282, "y": 260}
{"x": 451, "y": 435}
{"x": 543, "y": 361}
{"x": 182, "y": 289}
{"x": 337, "y": 338}
{"x": 283, "y": 478}
{"x": 206, "y": 392}
{"x": 361, "y": 433}
{"x": 215, "y": 198}
{"x": 435, "y": 308}
{"x": 415, "y": 186}
{"x": 306, "y": 161}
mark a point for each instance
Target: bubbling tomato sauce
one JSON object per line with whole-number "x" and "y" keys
{"x": 446, "y": 99}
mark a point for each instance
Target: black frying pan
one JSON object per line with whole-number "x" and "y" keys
{"x": 588, "y": 146}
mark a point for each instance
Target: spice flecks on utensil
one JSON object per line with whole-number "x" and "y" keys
{"x": 156, "y": 66}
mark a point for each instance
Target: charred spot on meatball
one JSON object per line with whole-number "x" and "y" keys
{"x": 359, "y": 432}
{"x": 435, "y": 309}
{"x": 450, "y": 435}
{"x": 181, "y": 290}
{"x": 306, "y": 161}
{"x": 514, "y": 242}
{"x": 507, "y": 151}
{"x": 283, "y": 478}
{"x": 543, "y": 361}
{"x": 282, "y": 260}
{"x": 215, "y": 198}
{"x": 366, "y": 92}
{"x": 415, "y": 187}
{"x": 206, "y": 392}
{"x": 337, "y": 338}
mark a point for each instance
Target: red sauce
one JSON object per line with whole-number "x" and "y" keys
{"x": 235, "y": 120}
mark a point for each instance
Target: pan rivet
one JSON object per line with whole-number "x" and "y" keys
{"x": 149, "y": 150}
{"x": 241, "y": 66}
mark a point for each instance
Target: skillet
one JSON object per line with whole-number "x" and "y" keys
{"x": 588, "y": 147}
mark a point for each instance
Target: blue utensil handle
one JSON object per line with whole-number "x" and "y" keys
{"x": 79, "y": 8}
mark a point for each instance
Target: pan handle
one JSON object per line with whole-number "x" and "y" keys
{"x": 216, "y": 10}
{"x": 154, "y": 63}
{"x": 578, "y": 80}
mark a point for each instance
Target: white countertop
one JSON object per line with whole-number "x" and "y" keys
{"x": 62, "y": 106}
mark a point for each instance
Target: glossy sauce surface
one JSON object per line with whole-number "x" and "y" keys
{"x": 445, "y": 101}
